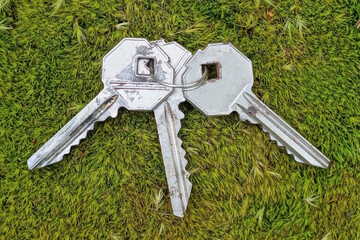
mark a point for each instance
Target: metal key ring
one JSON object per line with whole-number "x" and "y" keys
{"x": 190, "y": 86}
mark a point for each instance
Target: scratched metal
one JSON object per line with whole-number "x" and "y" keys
{"x": 168, "y": 117}
{"x": 125, "y": 85}
{"x": 231, "y": 91}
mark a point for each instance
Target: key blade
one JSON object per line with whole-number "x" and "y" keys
{"x": 252, "y": 109}
{"x": 168, "y": 120}
{"x": 105, "y": 104}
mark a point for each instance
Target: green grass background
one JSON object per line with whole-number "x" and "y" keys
{"x": 306, "y": 61}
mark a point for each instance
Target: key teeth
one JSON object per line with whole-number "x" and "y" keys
{"x": 186, "y": 174}
{"x": 245, "y": 117}
{"x": 181, "y": 114}
{"x": 77, "y": 141}
{"x": 255, "y": 111}
{"x": 288, "y": 151}
{"x": 114, "y": 114}
{"x": 273, "y": 138}
{"x": 184, "y": 163}
{"x": 68, "y": 149}
{"x": 75, "y": 130}
{"x": 181, "y": 193}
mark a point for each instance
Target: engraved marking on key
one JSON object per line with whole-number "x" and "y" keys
{"x": 168, "y": 119}
{"x": 123, "y": 87}
{"x": 232, "y": 92}
{"x": 140, "y": 85}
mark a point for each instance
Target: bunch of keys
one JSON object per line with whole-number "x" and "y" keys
{"x": 158, "y": 76}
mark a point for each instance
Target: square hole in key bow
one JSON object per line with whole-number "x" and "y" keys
{"x": 213, "y": 70}
{"x": 145, "y": 66}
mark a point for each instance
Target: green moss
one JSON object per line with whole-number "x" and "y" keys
{"x": 305, "y": 57}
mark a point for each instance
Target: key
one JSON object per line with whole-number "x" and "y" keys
{"x": 127, "y": 83}
{"x": 229, "y": 89}
{"x": 168, "y": 117}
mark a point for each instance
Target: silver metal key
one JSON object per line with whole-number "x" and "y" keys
{"x": 127, "y": 83}
{"x": 230, "y": 90}
{"x": 168, "y": 117}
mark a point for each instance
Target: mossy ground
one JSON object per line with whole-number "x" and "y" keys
{"x": 306, "y": 57}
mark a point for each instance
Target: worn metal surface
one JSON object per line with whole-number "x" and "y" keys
{"x": 231, "y": 91}
{"x": 168, "y": 117}
{"x": 125, "y": 85}
{"x": 124, "y": 70}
